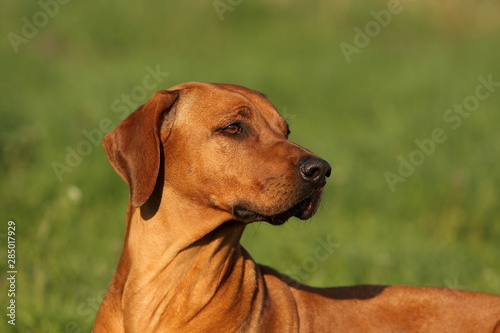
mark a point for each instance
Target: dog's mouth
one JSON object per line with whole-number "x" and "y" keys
{"x": 303, "y": 210}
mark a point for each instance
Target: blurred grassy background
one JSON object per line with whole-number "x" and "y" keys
{"x": 439, "y": 227}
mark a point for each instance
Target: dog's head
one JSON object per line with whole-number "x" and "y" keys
{"x": 220, "y": 146}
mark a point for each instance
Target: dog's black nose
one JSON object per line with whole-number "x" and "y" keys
{"x": 314, "y": 170}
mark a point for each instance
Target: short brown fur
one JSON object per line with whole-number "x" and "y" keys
{"x": 195, "y": 185}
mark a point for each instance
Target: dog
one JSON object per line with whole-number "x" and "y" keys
{"x": 204, "y": 160}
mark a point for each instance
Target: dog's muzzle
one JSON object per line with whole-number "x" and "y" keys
{"x": 313, "y": 172}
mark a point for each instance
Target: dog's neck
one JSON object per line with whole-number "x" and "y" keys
{"x": 193, "y": 277}
{"x": 159, "y": 242}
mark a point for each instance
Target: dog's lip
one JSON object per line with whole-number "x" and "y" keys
{"x": 308, "y": 207}
{"x": 303, "y": 210}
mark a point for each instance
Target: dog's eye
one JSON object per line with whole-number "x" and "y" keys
{"x": 233, "y": 129}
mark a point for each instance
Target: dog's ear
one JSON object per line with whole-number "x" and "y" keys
{"x": 133, "y": 147}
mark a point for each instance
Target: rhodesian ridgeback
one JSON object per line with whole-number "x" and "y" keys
{"x": 204, "y": 160}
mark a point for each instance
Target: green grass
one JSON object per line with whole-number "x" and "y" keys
{"x": 440, "y": 227}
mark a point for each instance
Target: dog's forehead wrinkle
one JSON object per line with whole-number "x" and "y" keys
{"x": 244, "y": 112}
{"x": 239, "y": 111}
{"x": 251, "y": 96}
{"x": 225, "y": 98}
{"x": 225, "y": 104}
{"x": 275, "y": 122}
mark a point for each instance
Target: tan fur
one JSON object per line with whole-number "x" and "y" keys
{"x": 195, "y": 186}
